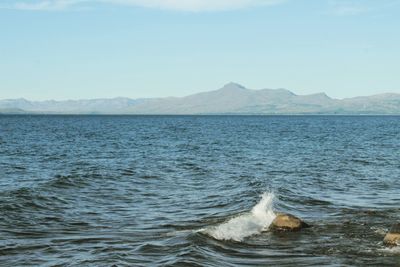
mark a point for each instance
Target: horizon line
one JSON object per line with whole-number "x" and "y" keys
{"x": 200, "y": 92}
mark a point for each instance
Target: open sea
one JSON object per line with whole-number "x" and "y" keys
{"x": 197, "y": 190}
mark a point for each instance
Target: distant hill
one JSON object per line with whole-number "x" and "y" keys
{"x": 230, "y": 99}
{"x": 12, "y": 111}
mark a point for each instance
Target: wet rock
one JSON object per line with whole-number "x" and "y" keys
{"x": 393, "y": 237}
{"x": 287, "y": 222}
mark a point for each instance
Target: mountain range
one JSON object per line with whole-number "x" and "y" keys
{"x": 230, "y": 99}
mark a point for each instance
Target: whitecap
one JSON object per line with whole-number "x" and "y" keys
{"x": 247, "y": 224}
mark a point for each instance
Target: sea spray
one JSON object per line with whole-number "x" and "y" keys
{"x": 248, "y": 224}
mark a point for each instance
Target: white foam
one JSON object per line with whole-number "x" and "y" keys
{"x": 392, "y": 250}
{"x": 248, "y": 224}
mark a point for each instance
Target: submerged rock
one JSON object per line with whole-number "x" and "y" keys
{"x": 287, "y": 222}
{"x": 393, "y": 237}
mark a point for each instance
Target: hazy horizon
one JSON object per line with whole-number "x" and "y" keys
{"x": 232, "y": 98}
{"x": 195, "y": 93}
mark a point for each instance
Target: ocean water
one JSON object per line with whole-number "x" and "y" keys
{"x": 197, "y": 190}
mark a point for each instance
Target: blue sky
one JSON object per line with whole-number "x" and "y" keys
{"x": 74, "y": 49}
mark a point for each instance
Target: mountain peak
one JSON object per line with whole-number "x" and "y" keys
{"x": 233, "y": 86}
{"x": 321, "y": 95}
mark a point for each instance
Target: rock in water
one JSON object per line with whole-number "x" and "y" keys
{"x": 393, "y": 237}
{"x": 287, "y": 222}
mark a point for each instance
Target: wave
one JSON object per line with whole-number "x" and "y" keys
{"x": 391, "y": 250}
{"x": 250, "y": 223}
{"x": 66, "y": 181}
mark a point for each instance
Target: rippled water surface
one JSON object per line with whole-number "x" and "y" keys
{"x": 197, "y": 190}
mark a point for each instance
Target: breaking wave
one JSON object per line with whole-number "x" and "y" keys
{"x": 251, "y": 223}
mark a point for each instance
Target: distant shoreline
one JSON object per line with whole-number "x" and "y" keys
{"x": 203, "y": 115}
{"x": 231, "y": 99}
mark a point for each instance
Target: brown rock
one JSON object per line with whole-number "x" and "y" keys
{"x": 393, "y": 237}
{"x": 287, "y": 222}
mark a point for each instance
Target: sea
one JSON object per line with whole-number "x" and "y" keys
{"x": 197, "y": 190}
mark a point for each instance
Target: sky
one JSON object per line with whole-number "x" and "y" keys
{"x": 78, "y": 49}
